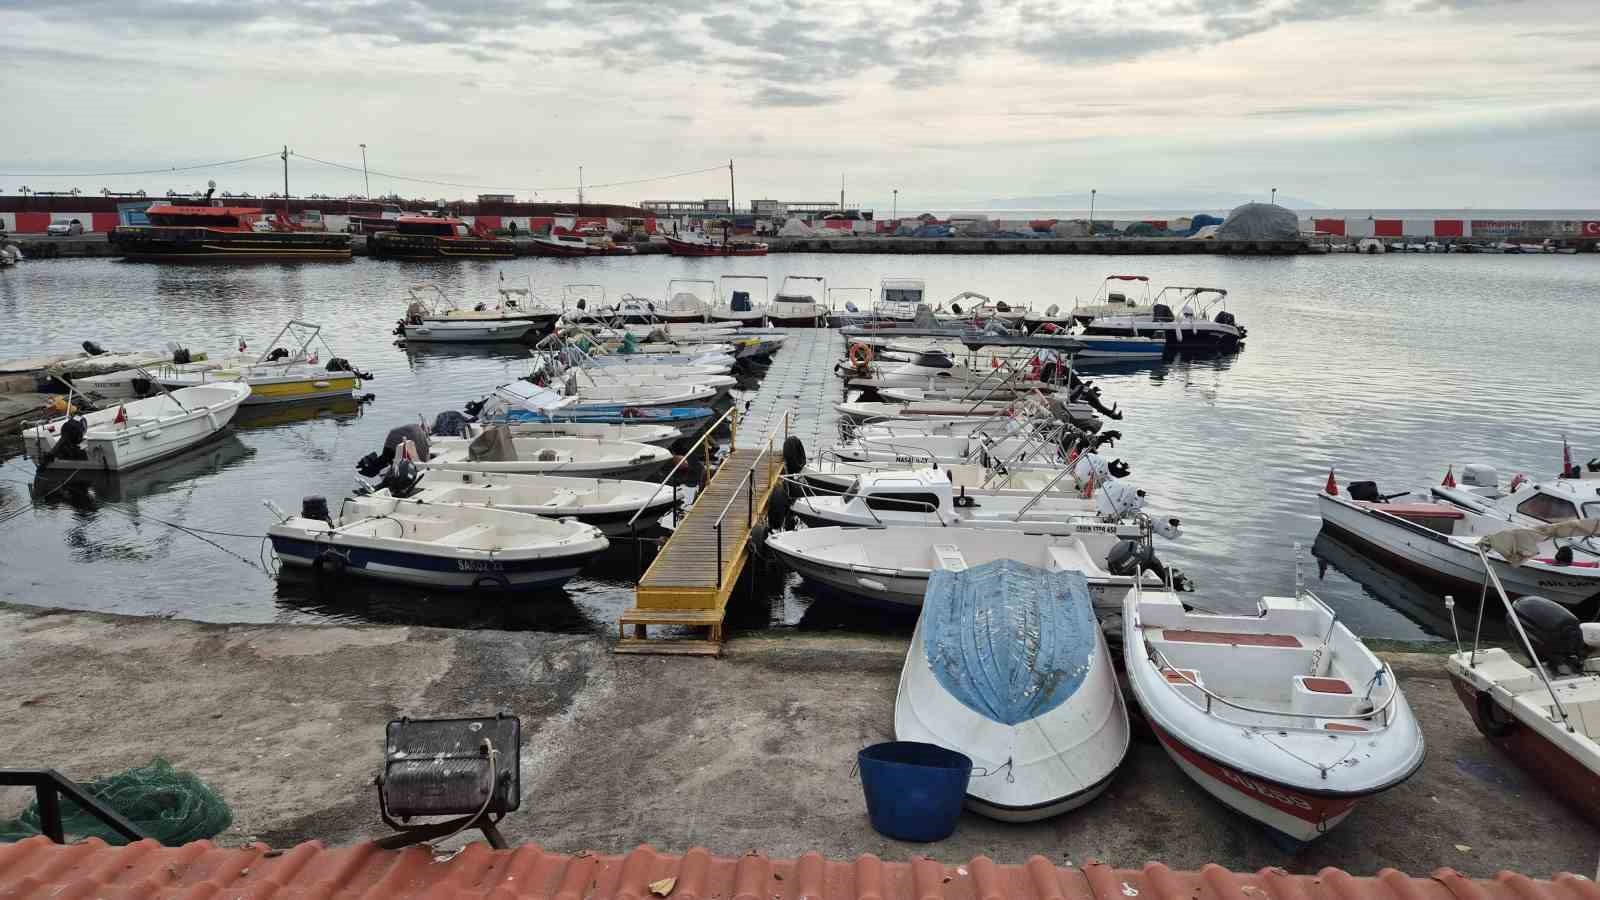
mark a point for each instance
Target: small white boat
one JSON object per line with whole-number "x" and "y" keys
{"x": 1008, "y": 666}
{"x": 927, "y": 498}
{"x": 495, "y": 450}
{"x": 720, "y": 363}
{"x": 606, "y": 393}
{"x": 834, "y": 475}
{"x": 136, "y": 432}
{"x": 1530, "y": 502}
{"x": 1439, "y": 542}
{"x": 945, "y": 448}
{"x": 795, "y": 305}
{"x": 608, "y": 504}
{"x": 1281, "y": 714}
{"x": 889, "y": 567}
{"x": 616, "y": 376}
{"x": 660, "y": 435}
{"x": 279, "y": 375}
{"x": 739, "y": 308}
{"x": 434, "y": 546}
{"x": 441, "y": 321}
{"x": 464, "y": 331}
{"x": 1542, "y": 712}
{"x": 132, "y": 383}
{"x": 861, "y": 411}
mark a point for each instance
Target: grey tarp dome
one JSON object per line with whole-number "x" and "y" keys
{"x": 1260, "y": 222}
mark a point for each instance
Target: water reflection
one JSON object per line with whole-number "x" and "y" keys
{"x": 301, "y": 594}
{"x": 1418, "y": 601}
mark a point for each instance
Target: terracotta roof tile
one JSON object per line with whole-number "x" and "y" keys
{"x": 38, "y": 868}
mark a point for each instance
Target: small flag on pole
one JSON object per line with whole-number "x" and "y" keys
{"x": 122, "y": 416}
{"x": 1333, "y": 487}
{"x": 242, "y": 345}
{"x": 1449, "y": 478}
{"x": 1566, "y": 459}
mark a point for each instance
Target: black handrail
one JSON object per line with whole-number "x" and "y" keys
{"x": 50, "y": 786}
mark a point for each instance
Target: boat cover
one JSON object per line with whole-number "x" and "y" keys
{"x": 1518, "y": 545}
{"x": 1008, "y": 640}
{"x": 493, "y": 445}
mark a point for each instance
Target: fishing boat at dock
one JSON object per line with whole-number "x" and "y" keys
{"x": 433, "y": 237}
{"x": 222, "y": 234}
{"x": 569, "y": 246}
{"x": 696, "y": 244}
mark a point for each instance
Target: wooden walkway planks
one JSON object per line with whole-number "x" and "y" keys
{"x": 695, "y": 572}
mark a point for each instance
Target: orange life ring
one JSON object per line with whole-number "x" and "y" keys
{"x": 860, "y": 354}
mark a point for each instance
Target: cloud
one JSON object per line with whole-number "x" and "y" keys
{"x": 772, "y": 95}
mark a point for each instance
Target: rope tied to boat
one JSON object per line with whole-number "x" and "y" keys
{"x": 1009, "y": 767}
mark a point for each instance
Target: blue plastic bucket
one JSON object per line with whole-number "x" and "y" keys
{"x": 914, "y": 790}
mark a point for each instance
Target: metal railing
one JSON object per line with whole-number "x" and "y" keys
{"x": 1516, "y": 620}
{"x": 700, "y": 443}
{"x": 748, "y": 488}
{"x": 49, "y": 787}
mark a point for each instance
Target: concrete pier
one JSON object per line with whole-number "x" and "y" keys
{"x": 1002, "y": 246}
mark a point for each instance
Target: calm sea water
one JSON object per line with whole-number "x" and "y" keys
{"x": 1389, "y": 368}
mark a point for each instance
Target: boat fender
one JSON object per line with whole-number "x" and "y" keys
{"x": 329, "y": 562}
{"x": 1492, "y": 720}
{"x": 794, "y": 455}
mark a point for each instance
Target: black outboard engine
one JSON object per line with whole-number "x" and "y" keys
{"x": 93, "y": 349}
{"x": 473, "y": 407}
{"x": 955, "y": 308}
{"x": 1224, "y": 318}
{"x": 70, "y": 445}
{"x": 316, "y": 508}
{"x": 277, "y": 354}
{"x": 1000, "y": 306}
{"x": 1366, "y": 491}
{"x": 1128, "y": 558}
{"x": 1552, "y": 629}
{"x": 450, "y": 424}
{"x": 340, "y": 364}
{"x": 1118, "y": 468}
{"x": 1162, "y": 313}
{"x": 402, "y": 479}
{"x": 794, "y": 455}
{"x": 374, "y": 463}
{"x": 182, "y": 355}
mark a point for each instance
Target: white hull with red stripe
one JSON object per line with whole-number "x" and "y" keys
{"x": 1285, "y": 716}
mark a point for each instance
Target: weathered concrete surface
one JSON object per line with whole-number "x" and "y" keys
{"x": 750, "y": 751}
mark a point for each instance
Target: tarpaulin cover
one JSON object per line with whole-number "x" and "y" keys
{"x": 1518, "y": 545}
{"x": 1260, "y": 222}
{"x": 1008, "y": 640}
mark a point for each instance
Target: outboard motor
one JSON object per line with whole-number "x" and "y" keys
{"x": 450, "y": 424}
{"x": 1162, "y": 313}
{"x": 277, "y": 354}
{"x": 402, "y": 479}
{"x": 1000, "y": 306}
{"x": 1553, "y": 630}
{"x": 93, "y": 349}
{"x": 1129, "y": 558}
{"x": 316, "y": 508}
{"x": 374, "y": 463}
{"x": 955, "y": 308}
{"x": 1224, "y": 318}
{"x": 1365, "y": 491}
{"x": 794, "y": 455}
{"x": 182, "y": 355}
{"x": 70, "y": 445}
{"x": 340, "y": 364}
{"x": 473, "y": 407}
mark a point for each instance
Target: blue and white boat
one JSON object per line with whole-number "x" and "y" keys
{"x": 523, "y": 401}
{"x": 1008, "y": 666}
{"x": 434, "y": 545}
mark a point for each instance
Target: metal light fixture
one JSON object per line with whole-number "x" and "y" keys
{"x": 466, "y": 768}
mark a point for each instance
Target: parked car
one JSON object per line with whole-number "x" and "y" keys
{"x": 64, "y": 228}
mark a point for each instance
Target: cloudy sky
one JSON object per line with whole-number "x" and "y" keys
{"x": 1347, "y": 103}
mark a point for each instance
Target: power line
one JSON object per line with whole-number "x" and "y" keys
{"x": 497, "y": 187}
{"x": 230, "y": 162}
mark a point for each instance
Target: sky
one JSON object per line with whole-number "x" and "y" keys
{"x": 1342, "y": 103}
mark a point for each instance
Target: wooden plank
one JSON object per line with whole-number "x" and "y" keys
{"x": 667, "y": 647}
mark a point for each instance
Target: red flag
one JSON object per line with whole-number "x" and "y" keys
{"x": 1449, "y": 478}
{"x": 1566, "y": 457}
{"x": 1088, "y": 488}
{"x": 122, "y": 416}
{"x": 1333, "y": 487}
{"x": 241, "y": 345}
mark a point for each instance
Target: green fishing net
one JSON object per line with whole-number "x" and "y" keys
{"x": 171, "y": 806}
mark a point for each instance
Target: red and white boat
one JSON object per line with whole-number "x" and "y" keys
{"x": 1544, "y": 713}
{"x": 694, "y": 243}
{"x": 1283, "y": 715}
{"x": 432, "y": 237}
{"x": 571, "y": 245}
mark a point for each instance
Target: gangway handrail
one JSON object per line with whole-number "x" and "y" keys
{"x": 50, "y": 786}
{"x": 1516, "y": 620}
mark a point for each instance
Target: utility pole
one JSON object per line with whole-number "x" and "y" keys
{"x": 1274, "y": 196}
{"x": 1091, "y": 212}
{"x": 841, "y": 193}
{"x": 366, "y": 182}
{"x": 733, "y": 202}
{"x": 286, "y": 182}
{"x": 580, "y": 185}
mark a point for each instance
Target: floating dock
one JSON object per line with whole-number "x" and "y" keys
{"x": 694, "y": 573}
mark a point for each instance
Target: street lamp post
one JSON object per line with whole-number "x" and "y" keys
{"x": 1274, "y": 195}
{"x": 1091, "y": 211}
{"x": 366, "y": 183}
{"x": 896, "y": 214}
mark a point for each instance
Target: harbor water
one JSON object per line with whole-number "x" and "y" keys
{"x": 1386, "y": 368}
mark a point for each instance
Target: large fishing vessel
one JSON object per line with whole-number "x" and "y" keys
{"x": 431, "y": 237}
{"x": 205, "y": 233}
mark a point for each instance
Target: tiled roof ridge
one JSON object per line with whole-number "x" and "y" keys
{"x": 37, "y": 867}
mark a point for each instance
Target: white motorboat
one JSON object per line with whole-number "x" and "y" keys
{"x": 1281, "y": 714}
{"x": 978, "y": 309}
{"x": 608, "y": 392}
{"x": 437, "y": 319}
{"x": 889, "y": 567}
{"x": 135, "y": 382}
{"x": 1008, "y": 666}
{"x": 660, "y": 435}
{"x": 279, "y": 375}
{"x": 434, "y": 546}
{"x": 608, "y": 504}
{"x": 928, "y": 369}
{"x": 1530, "y": 502}
{"x": 1114, "y": 303}
{"x": 1438, "y": 542}
{"x": 939, "y": 448}
{"x": 467, "y": 331}
{"x": 709, "y": 331}
{"x": 136, "y": 432}
{"x": 496, "y": 450}
{"x": 795, "y": 305}
{"x": 1193, "y": 319}
{"x": 928, "y": 498}
{"x": 715, "y": 363}
{"x": 1543, "y": 710}
{"x": 739, "y": 308}
{"x": 653, "y": 375}
{"x": 831, "y": 474}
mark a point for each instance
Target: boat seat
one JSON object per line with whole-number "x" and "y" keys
{"x": 465, "y": 537}
{"x": 1322, "y": 696}
{"x": 1346, "y": 726}
{"x": 563, "y": 498}
{"x": 949, "y": 557}
{"x": 1231, "y": 637}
